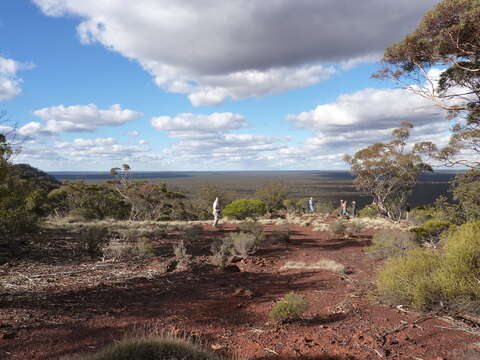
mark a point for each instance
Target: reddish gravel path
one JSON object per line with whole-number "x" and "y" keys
{"x": 229, "y": 309}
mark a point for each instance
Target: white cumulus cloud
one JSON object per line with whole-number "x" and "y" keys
{"x": 9, "y": 80}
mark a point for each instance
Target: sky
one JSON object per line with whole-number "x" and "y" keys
{"x": 204, "y": 84}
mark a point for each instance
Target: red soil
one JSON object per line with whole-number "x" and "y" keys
{"x": 229, "y": 310}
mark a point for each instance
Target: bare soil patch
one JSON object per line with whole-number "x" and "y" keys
{"x": 51, "y": 308}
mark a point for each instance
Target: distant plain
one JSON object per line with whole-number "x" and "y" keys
{"x": 322, "y": 185}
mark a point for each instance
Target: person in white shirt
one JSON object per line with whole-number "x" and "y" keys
{"x": 216, "y": 212}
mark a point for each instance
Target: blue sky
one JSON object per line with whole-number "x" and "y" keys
{"x": 204, "y": 85}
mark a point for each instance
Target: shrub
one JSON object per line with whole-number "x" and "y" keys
{"x": 369, "y": 211}
{"x": 420, "y": 215}
{"x": 431, "y": 230}
{"x": 201, "y": 204}
{"x": 459, "y": 275}
{"x": 244, "y": 244}
{"x": 149, "y": 348}
{"x": 291, "y": 307}
{"x": 180, "y": 252}
{"x": 325, "y": 207}
{"x": 466, "y": 188}
{"x": 253, "y": 228}
{"x": 289, "y": 205}
{"x": 93, "y": 238}
{"x": 353, "y": 228}
{"x": 272, "y": 195}
{"x": 244, "y": 208}
{"x": 117, "y": 250}
{"x": 221, "y": 250}
{"x": 391, "y": 243}
{"x": 409, "y": 279}
{"x": 338, "y": 227}
{"x": 281, "y": 237}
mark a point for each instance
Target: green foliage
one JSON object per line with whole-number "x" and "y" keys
{"x": 370, "y": 211}
{"x": 353, "y": 228}
{"x": 459, "y": 275}
{"x": 431, "y": 230}
{"x": 409, "y": 279}
{"x": 388, "y": 172}
{"x": 447, "y": 211}
{"x": 272, "y": 195}
{"x": 466, "y": 191}
{"x": 391, "y": 243}
{"x": 150, "y": 348}
{"x": 244, "y": 208}
{"x": 448, "y": 35}
{"x": 289, "y": 205}
{"x": 291, "y": 307}
{"x": 338, "y": 227}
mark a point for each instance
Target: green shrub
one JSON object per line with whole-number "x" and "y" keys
{"x": 272, "y": 195}
{"x": 459, "y": 275}
{"x": 420, "y": 215}
{"x": 431, "y": 230}
{"x": 369, "y": 211}
{"x": 409, "y": 279}
{"x": 391, "y": 243}
{"x": 151, "y": 348}
{"x": 291, "y": 307}
{"x": 244, "y": 208}
{"x": 338, "y": 227}
{"x": 244, "y": 244}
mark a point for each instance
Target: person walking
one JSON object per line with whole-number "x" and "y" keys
{"x": 344, "y": 208}
{"x": 354, "y": 208}
{"x": 341, "y": 207}
{"x": 216, "y": 212}
{"x": 311, "y": 205}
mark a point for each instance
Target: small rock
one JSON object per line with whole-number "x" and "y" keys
{"x": 216, "y": 347}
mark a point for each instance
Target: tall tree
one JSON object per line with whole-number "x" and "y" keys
{"x": 447, "y": 38}
{"x": 388, "y": 172}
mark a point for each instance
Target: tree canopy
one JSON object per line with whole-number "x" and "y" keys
{"x": 447, "y": 38}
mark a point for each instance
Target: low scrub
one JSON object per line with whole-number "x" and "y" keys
{"x": 253, "y": 228}
{"x": 423, "y": 277}
{"x": 391, "y": 243}
{"x": 244, "y": 208}
{"x": 150, "y": 348}
{"x": 281, "y": 237}
{"x": 181, "y": 253}
{"x": 338, "y": 227}
{"x": 409, "y": 279}
{"x": 291, "y": 307}
{"x": 369, "y": 211}
{"x": 117, "y": 250}
{"x": 324, "y": 264}
{"x": 431, "y": 231}
{"x": 244, "y": 244}
{"x": 93, "y": 238}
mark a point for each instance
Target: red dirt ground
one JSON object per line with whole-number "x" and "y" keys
{"x": 228, "y": 310}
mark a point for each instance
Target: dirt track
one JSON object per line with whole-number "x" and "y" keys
{"x": 74, "y": 311}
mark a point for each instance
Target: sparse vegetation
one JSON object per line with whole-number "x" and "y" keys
{"x": 244, "y": 244}
{"x": 391, "y": 243}
{"x": 338, "y": 227}
{"x": 272, "y": 195}
{"x": 291, "y": 307}
{"x": 93, "y": 238}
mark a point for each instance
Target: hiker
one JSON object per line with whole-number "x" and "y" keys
{"x": 311, "y": 206}
{"x": 216, "y": 212}
{"x": 354, "y": 208}
{"x": 344, "y": 208}
{"x": 341, "y": 207}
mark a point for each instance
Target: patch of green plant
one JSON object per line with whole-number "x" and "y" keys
{"x": 391, "y": 243}
{"x": 420, "y": 215}
{"x": 459, "y": 275}
{"x": 409, "y": 279}
{"x": 431, "y": 230}
{"x": 151, "y": 348}
{"x": 370, "y": 211}
{"x": 244, "y": 208}
{"x": 291, "y": 307}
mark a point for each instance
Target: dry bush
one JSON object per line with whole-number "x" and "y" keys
{"x": 323, "y": 264}
{"x": 244, "y": 244}
{"x": 354, "y": 228}
{"x": 192, "y": 233}
{"x": 117, "y": 250}
{"x": 391, "y": 243}
{"x": 93, "y": 238}
{"x": 281, "y": 237}
{"x": 253, "y": 228}
{"x": 221, "y": 251}
{"x": 338, "y": 227}
{"x": 181, "y": 253}
{"x": 291, "y": 307}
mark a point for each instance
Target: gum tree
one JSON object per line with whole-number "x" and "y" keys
{"x": 440, "y": 61}
{"x": 388, "y": 172}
